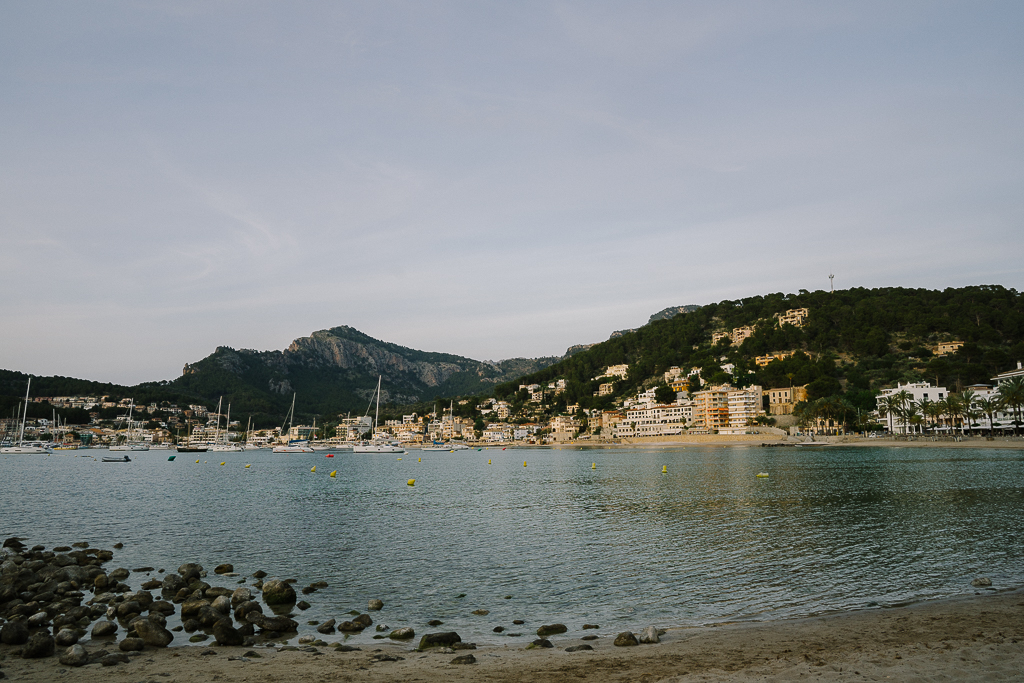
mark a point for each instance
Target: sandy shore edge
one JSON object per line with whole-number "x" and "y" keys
{"x": 974, "y": 638}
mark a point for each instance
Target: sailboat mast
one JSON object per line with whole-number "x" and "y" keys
{"x": 216, "y": 430}
{"x": 24, "y": 414}
{"x": 376, "y": 412}
{"x": 227, "y": 423}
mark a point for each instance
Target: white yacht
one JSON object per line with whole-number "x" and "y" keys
{"x": 378, "y": 445}
{"x": 25, "y": 447}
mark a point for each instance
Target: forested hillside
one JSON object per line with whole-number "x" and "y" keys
{"x": 853, "y": 343}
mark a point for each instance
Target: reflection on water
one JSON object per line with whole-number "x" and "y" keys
{"x": 622, "y": 545}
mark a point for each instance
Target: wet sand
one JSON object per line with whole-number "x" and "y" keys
{"x": 975, "y": 638}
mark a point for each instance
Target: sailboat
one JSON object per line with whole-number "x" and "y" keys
{"x": 225, "y": 447}
{"x": 128, "y": 445}
{"x": 23, "y": 448}
{"x": 294, "y": 445}
{"x": 378, "y": 445}
{"x": 187, "y": 447}
{"x": 450, "y": 445}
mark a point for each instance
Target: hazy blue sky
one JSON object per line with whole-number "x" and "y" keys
{"x": 491, "y": 179}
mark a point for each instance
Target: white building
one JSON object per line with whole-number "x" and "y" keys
{"x": 916, "y": 391}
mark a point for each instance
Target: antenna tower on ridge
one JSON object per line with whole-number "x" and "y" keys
{"x": 830, "y": 285}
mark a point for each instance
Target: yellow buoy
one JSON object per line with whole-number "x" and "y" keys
{"x": 334, "y": 473}
{"x": 197, "y": 462}
{"x": 399, "y": 458}
{"x": 248, "y": 466}
{"x": 762, "y": 474}
{"x": 419, "y": 459}
{"x": 524, "y": 463}
{"x": 222, "y": 464}
{"x": 313, "y": 468}
{"x": 411, "y": 482}
{"x": 664, "y": 469}
{"x": 594, "y": 466}
{"x": 488, "y": 461}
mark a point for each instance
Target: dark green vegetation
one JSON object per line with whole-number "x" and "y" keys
{"x": 854, "y": 343}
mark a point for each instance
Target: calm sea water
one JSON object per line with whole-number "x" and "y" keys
{"x": 621, "y": 545}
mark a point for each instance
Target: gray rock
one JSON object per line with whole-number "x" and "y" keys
{"x": 38, "y": 620}
{"x": 75, "y": 656}
{"x": 326, "y": 627}
{"x": 446, "y": 639}
{"x": 375, "y": 604}
{"x": 215, "y": 592}
{"x": 39, "y": 645}
{"x": 172, "y": 583}
{"x": 66, "y": 637}
{"x": 14, "y": 633}
{"x": 226, "y": 634}
{"x": 222, "y": 604}
{"x": 128, "y": 608}
{"x": 578, "y": 648}
{"x": 540, "y": 642}
{"x": 625, "y": 639}
{"x": 265, "y": 623}
{"x": 191, "y": 607}
{"x": 119, "y": 574}
{"x": 191, "y": 625}
{"x": 244, "y": 608}
{"x": 153, "y": 633}
{"x": 303, "y": 605}
{"x": 464, "y": 659}
{"x": 350, "y": 627}
{"x": 115, "y": 659}
{"x": 190, "y": 568}
{"x": 588, "y": 626}
{"x": 364, "y": 619}
{"x": 981, "y": 582}
{"x": 224, "y": 569}
{"x": 404, "y": 633}
{"x": 208, "y": 616}
{"x": 278, "y": 593}
{"x": 649, "y": 636}
{"x": 551, "y": 629}
{"x": 131, "y": 645}
{"x": 162, "y": 606}
{"x": 104, "y": 629}
{"x": 240, "y": 595}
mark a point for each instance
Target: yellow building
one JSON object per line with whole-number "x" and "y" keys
{"x": 766, "y": 359}
{"x": 782, "y": 400}
{"x": 794, "y": 316}
{"x": 946, "y": 348}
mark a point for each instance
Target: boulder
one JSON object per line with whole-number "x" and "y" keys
{"x": 540, "y": 642}
{"x": 190, "y": 568}
{"x": 39, "y": 645}
{"x": 350, "y": 627}
{"x": 278, "y": 593}
{"x": 75, "y": 656}
{"x": 100, "y": 583}
{"x": 446, "y": 639}
{"x": 578, "y": 648}
{"x": 240, "y": 595}
{"x": 162, "y": 606}
{"x": 66, "y": 637}
{"x": 152, "y": 584}
{"x": 191, "y": 607}
{"x": 172, "y": 583}
{"x": 226, "y": 634}
{"x": 375, "y": 604}
{"x": 128, "y": 608}
{"x": 649, "y": 636}
{"x": 464, "y": 659}
{"x": 625, "y": 639}
{"x": 191, "y": 625}
{"x": 265, "y": 623}
{"x": 981, "y": 582}
{"x": 119, "y": 574}
{"x": 103, "y": 629}
{"x": 326, "y": 627}
{"x": 404, "y": 633}
{"x": 208, "y": 616}
{"x": 38, "y": 620}
{"x": 216, "y": 592}
{"x": 131, "y": 645}
{"x": 244, "y": 608}
{"x": 115, "y": 659}
{"x": 551, "y": 629}
{"x": 259, "y": 574}
{"x": 144, "y": 598}
{"x": 224, "y": 569}
{"x": 303, "y": 605}
{"x": 152, "y": 632}
{"x": 364, "y": 619}
{"x": 588, "y": 626}
{"x": 14, "y": 633}
{"x": 222, "y": 604}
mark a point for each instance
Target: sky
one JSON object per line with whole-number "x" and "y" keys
{"x": 489, "y": 179}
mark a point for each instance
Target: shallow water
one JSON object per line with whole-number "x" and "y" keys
{"x": 622, "y": 545}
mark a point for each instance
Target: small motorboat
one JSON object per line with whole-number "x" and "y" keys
{"x": 112, "y": 459}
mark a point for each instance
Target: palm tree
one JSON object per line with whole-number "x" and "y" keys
{"x": 989, "y": 407}
{"x": 1011, "y": 394}
{"x": 911, "y": 415}
{"x": 926, "y": 405}
{"x": 970, "y": 411}
{"x": 955, "y": 409}
{"x": 890, "y": 407}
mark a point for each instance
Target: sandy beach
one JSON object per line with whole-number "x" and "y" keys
{"x": 975, "y": 638}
